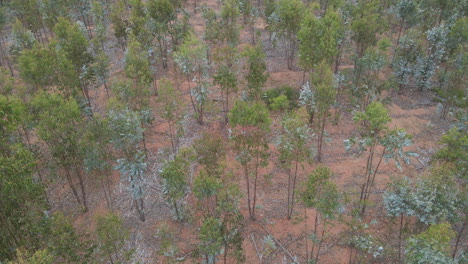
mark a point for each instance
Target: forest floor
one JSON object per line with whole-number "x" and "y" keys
{"x": 411, "y": 110}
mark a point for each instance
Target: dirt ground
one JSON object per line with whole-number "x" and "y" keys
{"x": 413, "y": 111}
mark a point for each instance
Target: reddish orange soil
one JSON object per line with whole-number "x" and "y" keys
{"x": 411, "y": 111}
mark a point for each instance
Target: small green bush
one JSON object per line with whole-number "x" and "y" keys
{"x": 279, "y": 103}
{"x": 291, "y": 94}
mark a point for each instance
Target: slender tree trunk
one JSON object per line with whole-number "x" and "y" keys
{"x": 315, "y": 233}
{"x": 255, "y": 187}
{"x": 83, "y": 192}
{"x": 319, "y": 246}
{"x": 320, "y": 139}
{"x": 294, "y": 186}
{"x": 399, "y": 238}
{"x": 247, "y": 181}
{"x": 305, "y": 232}
{"x": 459, "y": 236}
{"x": 5, "y": 56}
{"x": 70, "y": 183}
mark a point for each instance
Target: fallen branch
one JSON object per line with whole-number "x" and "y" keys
{"x": 259, "y": 255}
{"x": 279, "y": 244}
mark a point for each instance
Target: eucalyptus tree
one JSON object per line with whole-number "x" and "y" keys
{"x": 65, "y": 243}
{"x": 319, "y": 39}
{"x": 127, "y": 137}
{"x": 406, "y": 11}
{"x": 367, "y": 86}
{"x": 22, "y": 39}
{"x": 101, "y": 60}
{"x": 374, "y": 135}
{"x": 295, "y": 148}
{"x": 251, "y": 123}
{"x": 325, "y": 97}
{"x": 98, "y": 154}
{"x": 175, "y": 175}
{"x": 28, "y": 13}
{"x": 436, "y": 196}
{"x": 163, "y": 16}
{"x": 120, "y": 22}
{"x": 210, "y": 236}
{"x": 289, "y": 15}
{"x": 454, "y": 150}
{"x": 60, "y": 124}
{"x": 111, "y": 238}
{"x": 398, "y": 202}
{"x": 211, "y": 153}
{"x": 191, "y": 60}
{"x": 137, "y": 69}
{"x": 3, "y": 49}
{"x": 220, "y": 200}
{"x": 450, "y": 91}
{"x": 431, "y": 246}
{"x": 21, "y": 196}
{"x": 228, "y": 22}
{"x": 42, "y": 68}
{"x": 206, "y": 188}
{"x": 405, "y": 58}
{"x": 139, "y": 30}
{"x": 75, "y": 46}
{"x": 366, "y": 24}
{"x": 320, "y": 193}
{"x": 172, "y": 110}
{"x": 226, "y": 78}
{"x": 256, "y": 71}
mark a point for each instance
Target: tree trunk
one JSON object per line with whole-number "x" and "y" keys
{"x": 72, "y": 186}
{"x": 459, "y": 238}
{"x": 83, "y": 192}
{"x": 319, "y": 246}
{"x": 399, "y": 238}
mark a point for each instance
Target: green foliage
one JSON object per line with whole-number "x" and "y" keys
{"x": 373, "y": 121}
{"x": 451, "y": 91}
{"x": 251, "y": 123}
{"x": 174, "y": 175}
{"x": 39, "y": 257}
{"x": 71, "y": 40}
{"x": 137, "y": 68}
{"x": 172, "y": 110}
{"x": 21, "y": 199}
{"x": 366, "y": 84}
{"x": 366, "y": 24}
{"x": 65, "y": 243}
{"x": 23, "y": 39}
{"x": 111, "y": 238}
{"x": 120, "y": 21}
{"x": 287, "y": 22}
{"x": 211, "y": 238}
{"x": 319, "y": 39}
{"x": 168, "y": 244}
{"x": 191, "y": 60}
{"x": 44, "y": 67}
{"x": 246, "y": 114}
{"x": 398, "y": 197}
{"x": 211, "y": 153}
{"x": 454, "y": 150}
{"x": 292, "y": 96}
{"x": 279, "y": 103}
{"x": 436, "y": 196}
{"x": 431, "y": 246}
{"x": 256, "y": 71}
{"x": 295, "y": 140}
{"x": 320, "y": 193}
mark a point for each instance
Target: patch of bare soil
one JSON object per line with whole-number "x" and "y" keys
{"x": 414, "y": 112}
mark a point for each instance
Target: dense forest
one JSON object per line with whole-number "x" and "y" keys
{"x": 233, "y": 131}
